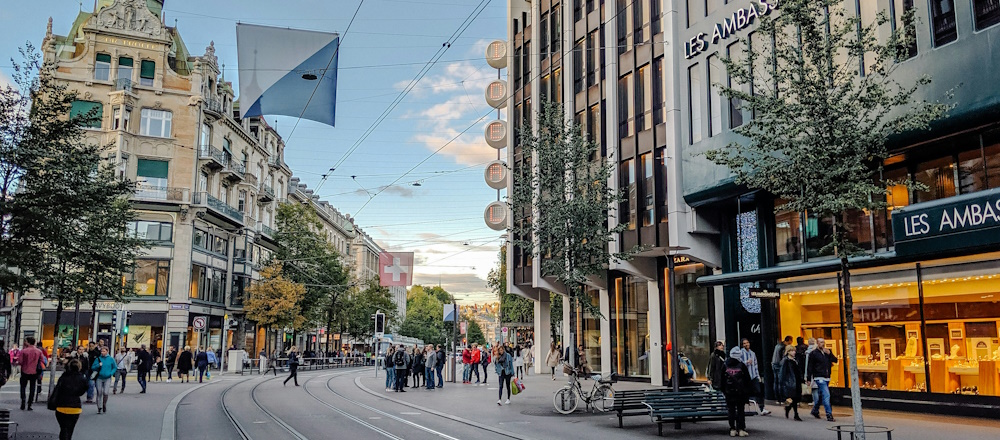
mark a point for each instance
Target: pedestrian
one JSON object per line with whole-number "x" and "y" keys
{"x": 104, "y": 368}
{"x": 71, "y": 385}
{"x": 293, "y": 366}
{"x": 144, "y": 363}
{"x": 81, "y": 355}
{"x": 716, "y": 365}
{"x": 5, "y": 366}
{"x": 201, "y": 362}
{"x": 441, "y": 358}
{"x": 170, "y": 361}
{"x": 466, "y": 365}
{"x": 400, "y": 361}
{"x": 41, "y": 369}
{"x": 159, "y": 368}
{"x": 31, "y": 360}
{"x": 518, "y": 362}
{"x": 93, "y": 352}
{"x": 390, "y": 368}
{"x": 789, "y": 378}
{"x": 184, "y": 364}
{"x": 552, "y": 359}
{"x": 430, "y": 361}
{"x": 749, "y": 358}
{"x": 484, "y": 360}
{"x": 123, "y": 362}
{"x": 417, "y": 366}
{"x": 814, "y": 393}
{"x": 262, "y": 367}
{"x": 212, "y": 362}
{"x": 15, "y": 354}
{"x": 800, "y": 355}
{"x": 476, "y": 359}
{"x": 736, "y": 386}
{"x": 821, "y": 361}
{"x": 776, "y": 356}
{"x": 505, "y": 370}
{"x": 529, "y": 359}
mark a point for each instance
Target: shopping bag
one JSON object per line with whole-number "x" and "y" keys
{"x": 514, "y": 389}
{"x": 520, "y": 384}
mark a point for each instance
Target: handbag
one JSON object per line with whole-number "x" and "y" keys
{"x": 520, "y": 384}
{"x": 514, "y": 389}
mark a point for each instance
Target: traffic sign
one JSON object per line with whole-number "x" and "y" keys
{"x": 198, "y": 323}
{"x": 503, "y": 331}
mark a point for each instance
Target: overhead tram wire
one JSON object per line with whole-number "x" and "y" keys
{"x": 409, "y": 87}
{"x": 477, "y": 121}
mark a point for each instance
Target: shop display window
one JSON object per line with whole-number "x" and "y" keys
{"x": 692, "y": 315}
{"x": 630, "y": 327}
{"x": 588, "y": 330}
{"x": 938, "y": 176}
{"x": 787, "y": 235}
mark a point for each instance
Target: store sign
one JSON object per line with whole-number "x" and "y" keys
{"x": 764, "y": 293}
{"x": 741, "y": 19}
{"x": 969, "y": 220}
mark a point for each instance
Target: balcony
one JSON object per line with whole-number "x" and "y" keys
{"x": 214, "y": 106}
{"x": 218, "y": 206}
{"x": 213, "y": 158}
{"x": 123, "y": 84}
{"x": 250, "y": 179}
{"x": 149, "y": 193}
{"x": 274, "y": 162}
{"x": 266, "y": 230}
{"x": 266, "y": 194}
{"x": 233, "y": 170}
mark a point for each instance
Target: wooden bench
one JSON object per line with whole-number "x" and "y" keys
{"x": 632, "y": 402}
{"x": 685, "y": 406}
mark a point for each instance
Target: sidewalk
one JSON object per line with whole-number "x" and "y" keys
{"x": 531, "y": 415}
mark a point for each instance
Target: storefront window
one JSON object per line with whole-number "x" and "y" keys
{"x": 938, "y": 176}
{"x": 787, "y": 235}
{"x": 819, "y": 232}
{"x": 991, "y": 150}
{"x": 630, "y": 327}
{"x": 588, "y": 331}
{"x": 692, "y": 316}
{"x": 151, "y": 277}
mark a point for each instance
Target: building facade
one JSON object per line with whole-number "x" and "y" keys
{"x": 207, "y": 181}
{"x": 925, "y": 299}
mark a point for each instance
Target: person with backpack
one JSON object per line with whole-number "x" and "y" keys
{"x": 442, "y": 357}
{"x": 717, "y": 366}
{"x": 123, "y": 361}
{"x": 430, "y": 361}
{"x": 104, "y": 367}
{"x": 505, "y": 369}
{"x": 736, "y": 386}
{"x": 484, "y": 359}
{"x": 400, "y": 360}
{"x": 789, "y": 379}
{"x": 65, "y": 398}
{"x": 390, "y": 369}
{"x": 213, "y": 361}
{"x": 293, "y": 366}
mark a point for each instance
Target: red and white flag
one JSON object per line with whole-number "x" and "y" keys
{"x": 395, "y": 268}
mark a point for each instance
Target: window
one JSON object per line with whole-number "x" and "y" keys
{"x": 517, "y": 68}
{"x": 556, "y": 28}
{"x": 89, "y": 113}
{"x": 577, "y": 10}
{"x": 147, "y": 71}
{"x": 694, "y": 101}
{"x": 591, "y": 58}
{"x": 640, "y": 13}
{"x": 943, "y": 21}
{"x": 648, "y": 190}
{"x": 125, "y": 71}
{"x": 238, "y": 292}
{"x": 654, "y": 17}
{"x": 120, "y": 119}
{"x": 735, "y": 53}
{"x": 939, "y": 177}
{"x": 661, "y": 171}
{"x": 241, "y": 204}
{"x": 694, "y": 11}
{"x": 578, "y": 56}
{"x": 220, "y": 245}
{"x": 557, "y": 92}
{"x": 657, "y": 91}
{"x": 899, "y": 8}
{"x": 625, "y": 121}
{"x": 102, "y": 67}
{"x": 200, "y": 239}
{"x": 627, "y": 213}
{"x": 208, "y": 284}
{"x": 623, "y": 27}
{"x": 152, "y": 231}
{"x": 987, "y": 13}
{"x": 543, "y": 33}
{"x": 787, "y": 234}
{"x": 203, "y": 182}
{"x": 151, "y": 178}
{"x": 594, "y": 125}
{"x": 526, "y": 65}
{"x": 155, "y": 122}
{"x": 543, "y": 91}
{"x": 991, "y": 153}
{"x": 715, "y": 70}
{"x": 629, "y": 320}
{"x": 151, "y": 277}
{"x": 643, "y": 98}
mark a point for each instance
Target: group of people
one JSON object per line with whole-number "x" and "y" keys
{"x": 795, "y": 367}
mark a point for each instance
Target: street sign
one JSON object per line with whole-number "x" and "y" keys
{"x": 198, "y": 323}
{"x": 503, "y": 331}
{"x": 180, "y": 306}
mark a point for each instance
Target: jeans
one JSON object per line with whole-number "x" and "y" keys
{"x": 120, "y": 374}
{"x": 401, "y": 379}
{"x": 822, "y": 393}
{"x": 390, "y": 378}
{"x": 429, "y": 377}
{"x": 440, "y": 381}
{"x": 758, "y": 386}
{"x": 293, "y": 373}
{"x": 466, "y": 373}
{"x": 504, "y": 379}
{"x": 170, "y": 371}
{"x": 737, "y": 414}
{"x": 201, "y": 372}
{"x": 475, "y": 369}
{"x": 143, "y": 375}
{"x": 30, "y": 381}
{"x": 485, "y": 374}
{"x": 90, "y": 388}
{"x": 67, "y": 422}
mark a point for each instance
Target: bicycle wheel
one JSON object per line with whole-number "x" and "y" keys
{"x": 566, "y": 400}
{"x": 603, "y": 398}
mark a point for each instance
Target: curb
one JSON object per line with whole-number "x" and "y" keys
{"x": 169, "y": 429}
{"x": 357, "y": 382}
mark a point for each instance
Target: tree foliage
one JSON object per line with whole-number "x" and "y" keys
{"x": 513, "y": 308}
{"x": 425, "y": 315}
{"x": 274, "y": 300}
{"x": 473, "y": 332}
{"x": 362, "y": 303}
{"x": 824, "y": 102}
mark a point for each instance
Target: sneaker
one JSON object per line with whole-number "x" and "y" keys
{"x": 168, "y": 380}
{"x": 507, "y": 402}
{"x": 764, "y": 412}
{"x": 744, "y": 434}
{"x": 732, "y": 433}
{"x": 498, "y": 403}
{"x": 829, "y": 418}
{"x": 815, "y": 414}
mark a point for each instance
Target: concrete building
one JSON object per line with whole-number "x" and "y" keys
{"x": 365, "y": 253}
{"x": 207, "y": 181}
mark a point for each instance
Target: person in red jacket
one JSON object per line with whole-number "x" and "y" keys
{"x": 476, "y": 359}
{"x": 466, "y": 368}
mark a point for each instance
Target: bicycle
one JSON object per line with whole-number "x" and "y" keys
{"x": 568, "y": 397}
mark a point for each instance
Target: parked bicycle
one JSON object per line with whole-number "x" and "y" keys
{"x": 599, "y": 397}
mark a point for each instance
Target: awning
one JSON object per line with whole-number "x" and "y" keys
{"x": 778, "y": 272}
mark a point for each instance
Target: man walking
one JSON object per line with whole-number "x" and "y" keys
{"x": 124, "y": 360}
{"x": 776, "y": 357}
{"x": 441, "y": 357}
{"x": 30, "y": 360}
{"x": 749, "y": 359}
{"x": 821, "y": 361}
{"x": 399, "y": 361}
{"x": 144, "y": 364}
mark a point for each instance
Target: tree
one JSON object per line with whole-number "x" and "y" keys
{"x": 824, "y": 104}
{"x": 561, "y": 193}
{"x": 274, "y": 301}
{"x": 363, "y": 303}
{"x": 424, "y": 316}
{"x": 513, "y": 308}
{"x": 473, "y": 332}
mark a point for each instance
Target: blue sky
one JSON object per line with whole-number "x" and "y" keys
{"x": 389, "y": 42}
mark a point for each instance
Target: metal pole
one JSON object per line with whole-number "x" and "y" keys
{"x": 454, "y": 328}
{"x": 674, "y": 361}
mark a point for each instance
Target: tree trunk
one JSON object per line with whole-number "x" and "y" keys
{"x": 55, "y": 348}
{"x": 93, "y": 317}
{"x": 852, "y": 351}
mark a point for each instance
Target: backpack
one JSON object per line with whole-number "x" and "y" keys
{"x": 735, "y": 381}
{"x": 399, "y": 359}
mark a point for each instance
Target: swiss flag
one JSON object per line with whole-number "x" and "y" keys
{"x": 395, "y": 268}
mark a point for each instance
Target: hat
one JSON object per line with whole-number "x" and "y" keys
{"x": 735, "y": 352}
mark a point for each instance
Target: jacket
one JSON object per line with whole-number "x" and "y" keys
{"x": 145, "y": 361}
{"x": 800, "y": 358}
{"x": 406, "y": 361}
{"x": 211, "y": 357}
{"x": 430, "y": 361}
{"x": 789, "y": 379}
{"x": 105, "y": 366}
{"x": 552, "y": 359}
{"x": 201, "y": 360}
{"x": 739, "y": 389}
{"x": 418, "y": 360}
{"x": 71, "y": 387}
{"x": 504, "y": 364}
{"x": 184, "y": 361}
{"x": 466, "y": 356}
{"x": 293, "y": 358}
{"x": 29, "y": 359}
{"x": 820, "y": 364}
{"x": 5, "y": 364}
{"x": 441, "y": 358}
{"x": 171, "y": 359}
{"x": 476, "y": 356}
{"x": 124, "y": 361}
{"x": 776, "y": 356}
{"x": 716, "y": 368}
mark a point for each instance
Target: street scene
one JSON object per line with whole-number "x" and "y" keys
{"x": 540, "y": 219}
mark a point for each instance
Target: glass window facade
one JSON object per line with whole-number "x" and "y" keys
{"x": 943, "y": 25}
{"x": 588, "y": 331}
{"x": 151, "y": 277}
{"x": 630, "y": 327}
{"x": 693, "y": 316}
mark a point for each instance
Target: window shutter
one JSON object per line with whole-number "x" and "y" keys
{"x": 125, "y": 62}
{"x": 103, "y": 58}
{"x": 152, "y": 168}
{"x": 147, "y": 69}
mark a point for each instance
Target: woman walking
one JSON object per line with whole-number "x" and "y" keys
{"x": 790, "y": 382}
{"x": 105, "y": 366}
{"x": 184, "y": 364}
{"x": 293, "y": 366}
{"x": 552, "y": 359}
{"x": 201, "y": 361}
{"x": 169, "y": 361}
{"x": 505, "y": 369}
{"x": 71, "y": 385}
{"x": 529, "y": 359}
{"x": 518, "y": 362}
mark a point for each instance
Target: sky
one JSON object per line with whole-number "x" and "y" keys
{"x": 441, "y": 218}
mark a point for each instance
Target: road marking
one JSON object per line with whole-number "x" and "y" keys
{"x": 410, "y": 413}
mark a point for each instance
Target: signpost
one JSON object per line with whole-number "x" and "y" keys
{"x": 379, "y": 319}
{"x": 198, "y": 323}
